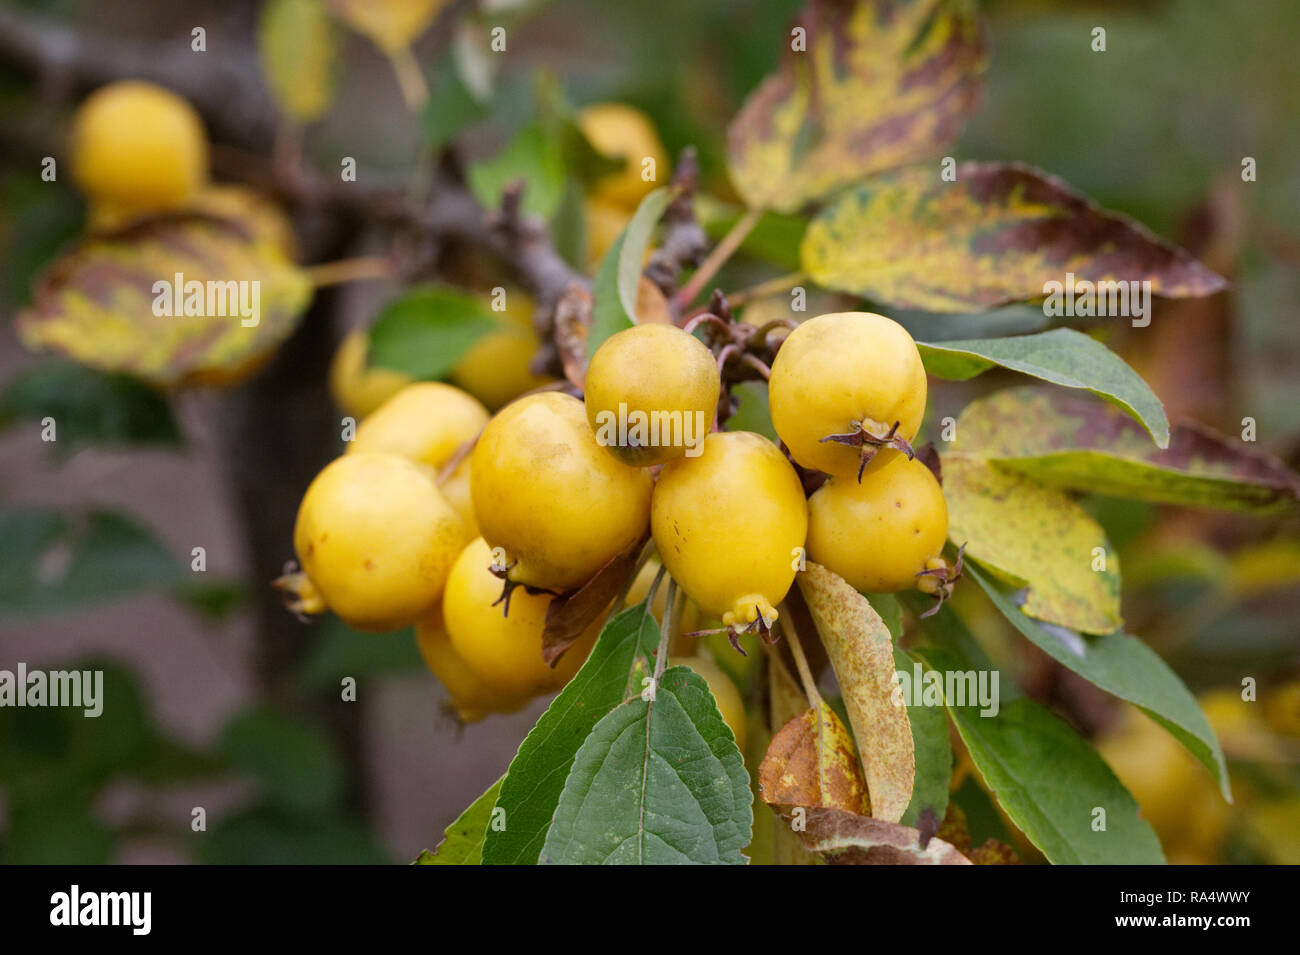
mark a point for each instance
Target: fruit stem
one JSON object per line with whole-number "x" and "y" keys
{"x": 350, "y": 270}
{"x": 801, "y": 662}
{"x": 706, "y": 318}
{"x": 409, "y": 78}
{"x": 716, "y": 259}
{"x": 665, "y": 630}
{"x": 782, "y": 283}
{"x": 757, "y": 364}
{"x": 646, "y": 553}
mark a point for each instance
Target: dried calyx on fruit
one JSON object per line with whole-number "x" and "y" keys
{"x": 939, "y": 579}
{"x": 847, "y": 393}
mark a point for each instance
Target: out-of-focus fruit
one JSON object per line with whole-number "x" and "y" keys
{"x": 356, "y": 387}
{"x": 427, "y": 422}
{"x": 137, "y": 147}
{"x": 624, "y": 132}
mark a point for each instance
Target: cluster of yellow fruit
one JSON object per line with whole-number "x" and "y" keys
{"x": 406, "y": 527}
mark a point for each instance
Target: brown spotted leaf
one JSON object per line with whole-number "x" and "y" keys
{"x": 568, "y": 617}
{"x": 786, "y": 701}
{"x": 881, "y": 83}
{"x": 811, "y": 761}
{"x": 1035, "y": 536}
{"x": 862, "y": 655}
{"x": 109, "y": 302}
{"x": 997, "y": 235}
{"x": 1067, "y": 441}
{"x": 843, "y": 838}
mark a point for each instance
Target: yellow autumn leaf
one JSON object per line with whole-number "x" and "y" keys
{"x": 811, "y": 761}
{"x": 864, "y": 87}
{"x": 1037, "y": 537}
{"x": 391, "y": 24}
{"x": 173, "y": 299}
{"x": 297, "y": 47}
{"x": 862, "y": 655}
{"x": 785, "y": 702}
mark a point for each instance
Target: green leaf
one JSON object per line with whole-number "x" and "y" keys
{"x": 890, "y": 611}
{"x": 462, "y": 842}
{"x": 53, "y": 563}
{"x": 292, "y": 761}
{"x": 999, "y": 234}
{"x": 88, "y": 407}
{"x": 1125, "y": 667}
{"x": 982, "y": 819}
{"x": 948, "y": 631}
{"x": 536, "y": 776}
{"x": 933, "y": 753}
{"x": 1049, "y": 781}
{"x": 636, "y": 238}
{"x": 879, "y": 85}
{"x": 298, "y": 47}
{"x": 450, "y": 107}
{"x": 339, "y": 651}
{"x": 657, "y": 782}
{"x": 617, "y": 279}
{"x": 1062, "y": 440}
{"x": 428, "y": 330}
{"x": 752, "y": 414}
{"x": 1063, "y": 357}
{"x": 532, "y": 156}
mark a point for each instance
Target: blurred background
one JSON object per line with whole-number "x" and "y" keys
{"x": 219, "y": 698}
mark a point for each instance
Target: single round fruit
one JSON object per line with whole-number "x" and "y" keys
{"x": 652, "y": 391}
{"x": 505, "y": 651}
{"x": 550, "y": 497}
{"x": 848, "y": 374}
{"x": 426, "y": 422}
{"x": 624, "y": 132}
{"x": 728, "y": 698}
{"x": 356, "y": 387}
{"x": 471, "y": 697}
{"x": 729, "y": 525}
{"x": 138, "y": 147}
{"x": 376, "y": 539}
{"x": 878, "y": 535}
{"x": 498, "y": 367}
